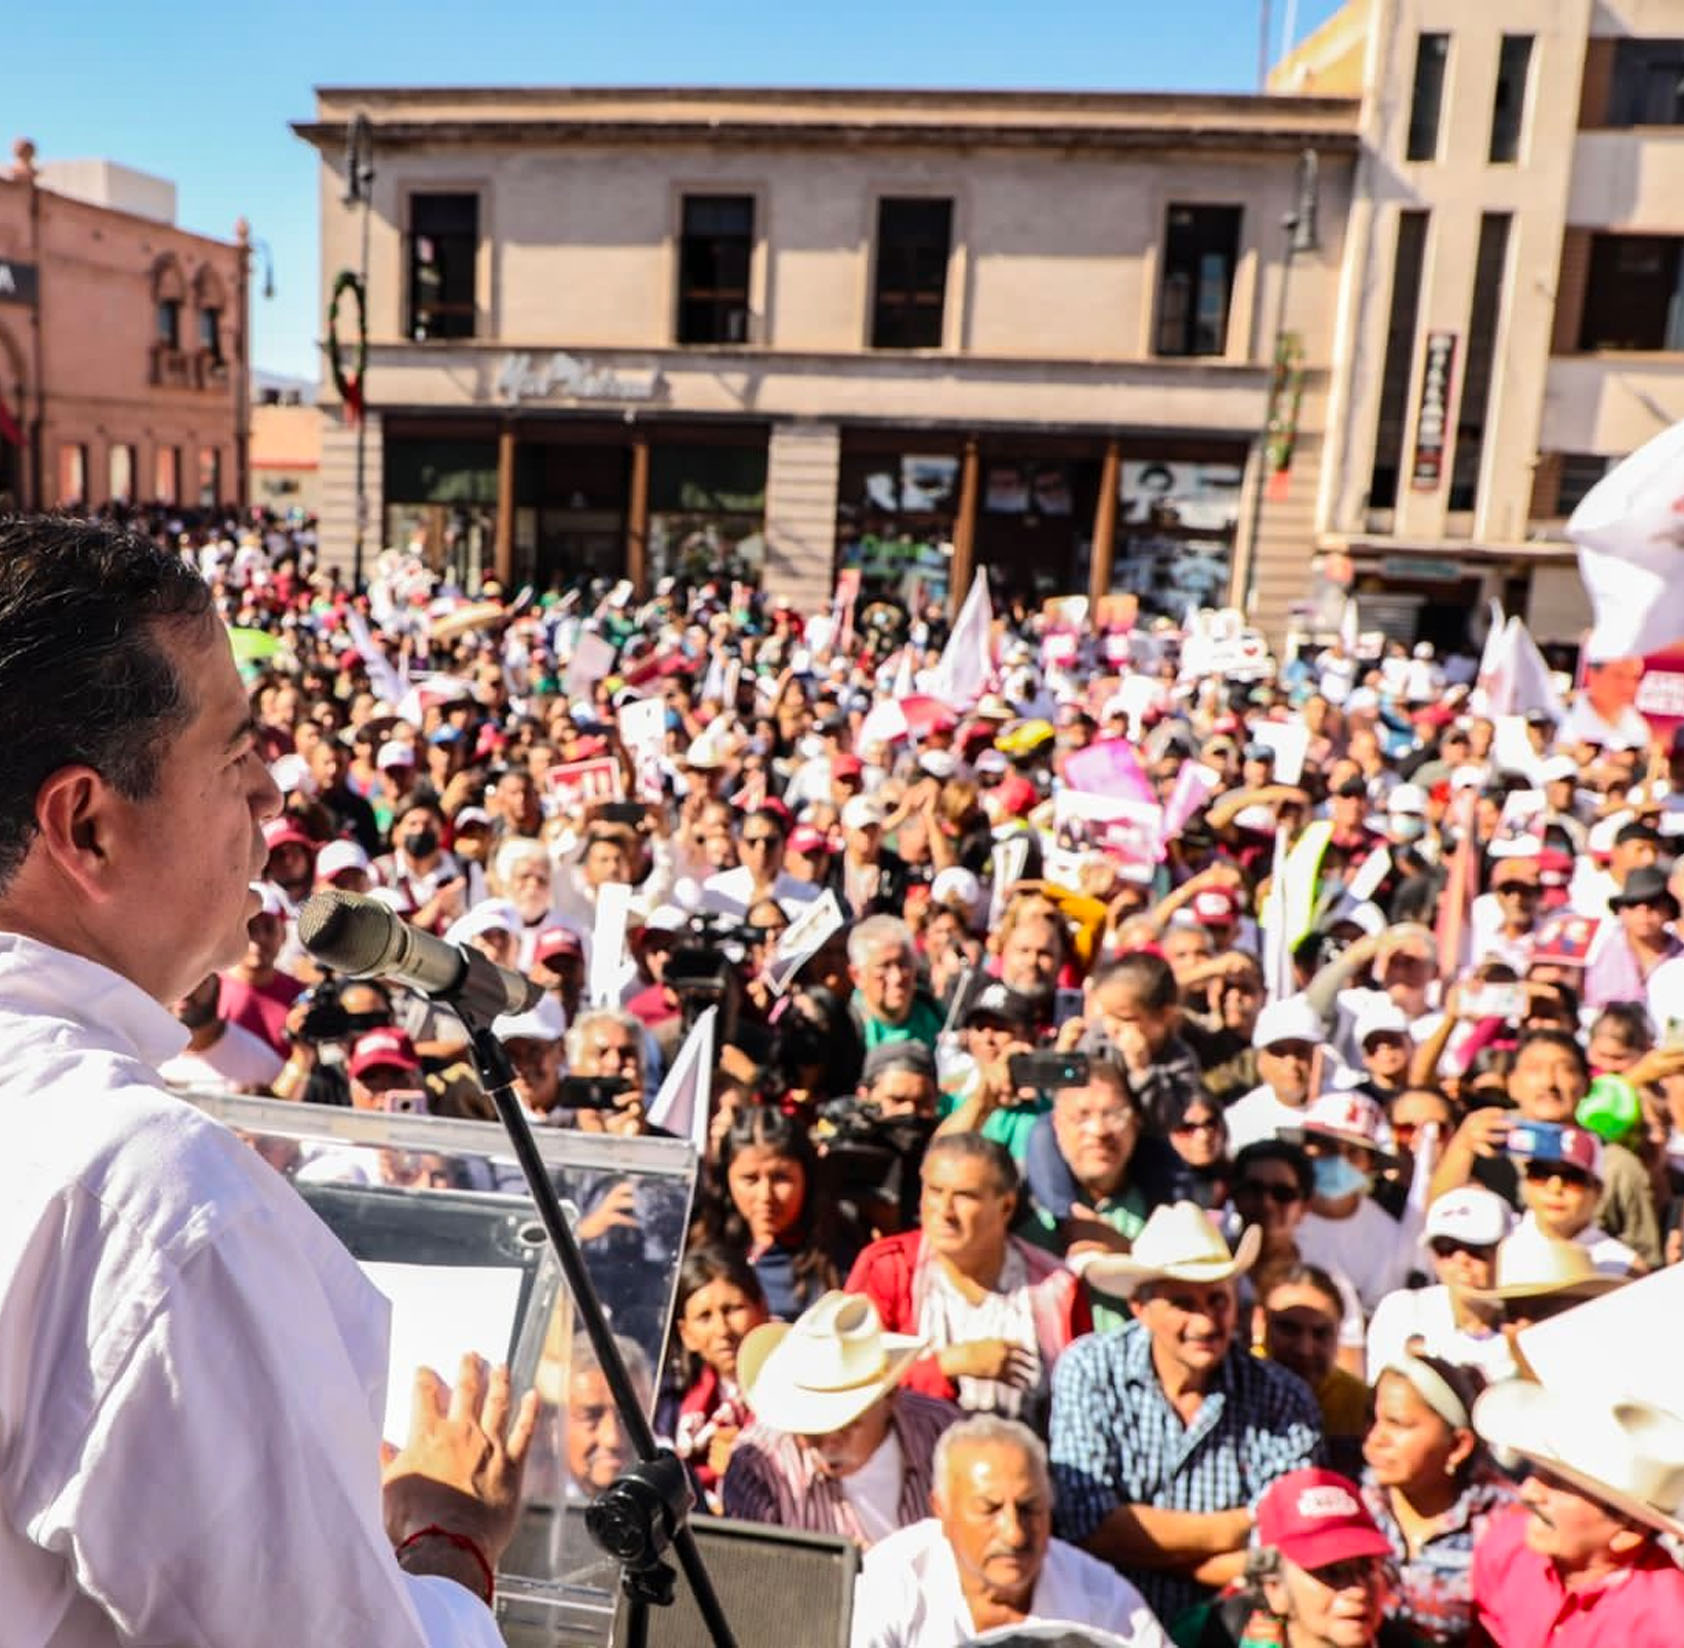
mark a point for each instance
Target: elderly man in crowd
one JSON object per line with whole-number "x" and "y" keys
{"x": 836, "y": 1445}
{"x": 888, "y": 1005}
{"x": 987, "y": 1558}
{"x": 1164, "y": 1435}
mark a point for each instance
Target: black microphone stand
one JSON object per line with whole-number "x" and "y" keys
{"x": 648, "y": 1508}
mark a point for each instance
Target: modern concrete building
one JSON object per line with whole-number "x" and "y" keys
{"x": 1511, "y": 315}
{"x": 635, "y": 331}
{"x": 123, "y": 350}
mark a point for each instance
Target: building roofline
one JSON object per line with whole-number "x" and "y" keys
{"x": 76, "y": 201}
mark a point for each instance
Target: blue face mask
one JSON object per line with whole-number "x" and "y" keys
{"x": 1336, "y": 1177}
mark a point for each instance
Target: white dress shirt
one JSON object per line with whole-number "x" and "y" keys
{"x": 731, "y": 892}
{"x": 908, "y": 1595}
{"x": 192, "y": 1369}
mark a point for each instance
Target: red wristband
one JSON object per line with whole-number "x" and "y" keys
{"x": 462, "y": 1543}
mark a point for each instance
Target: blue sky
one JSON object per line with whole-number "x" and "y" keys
{"x": 201, "y": 93}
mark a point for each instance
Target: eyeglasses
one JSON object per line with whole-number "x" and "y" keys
{"x": 1102, "y": 1121}
{"x": 1212, "y": 1125}
{"x": 1353, "y": 1573}
{"x": 1445, "y": 1247}
{"x": 1519, "y": 889}
{"x": 767, "y": 841}
{"x": 1540, "y": 1173}
{"x": 1281, "y": 1195}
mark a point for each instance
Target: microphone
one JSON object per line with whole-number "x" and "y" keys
{"x": 363, "y": 938}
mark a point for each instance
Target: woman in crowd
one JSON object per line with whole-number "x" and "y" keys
{"x": 718, "y": 1303}
{"x": 766, "y": 1202}
{"x": 1431, "y": 1489}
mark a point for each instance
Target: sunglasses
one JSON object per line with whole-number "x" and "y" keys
{"x": 1214, "y": 1125}
{"x": 1541, "y": 1173}
{"x": 1445, "y": 1247}
{"x": 1281, "y": 1195}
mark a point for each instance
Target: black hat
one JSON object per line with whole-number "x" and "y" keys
{"x": 999, "y": 1001}
{"x": 1645, "y": 886}
{"x": 889, "y": 1055}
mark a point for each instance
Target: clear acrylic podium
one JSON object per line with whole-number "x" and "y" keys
{"x": 439, "y": 1216}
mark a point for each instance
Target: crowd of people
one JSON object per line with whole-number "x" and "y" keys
{"x": 1134, "y": 1224}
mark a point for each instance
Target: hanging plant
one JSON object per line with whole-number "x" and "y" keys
{"x": 349, "y": 382}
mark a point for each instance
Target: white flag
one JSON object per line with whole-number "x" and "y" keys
{"x": 967, "y": 660}
{"x": 905, "y": 684}
{"x": 608, "y": 943}
{"x": 1522, "y": 680}
{"x": 1630, "y": 533}
{"x": 681, "y": 1106}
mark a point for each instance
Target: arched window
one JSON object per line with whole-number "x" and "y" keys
{"x": 211, "y": 304}
{"x": 169, "y": 297}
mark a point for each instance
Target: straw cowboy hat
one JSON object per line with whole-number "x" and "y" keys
{"x": 821, "y": 1372}
{"x": 1531, "y": 1265}
{"x": 1180, "y": 1244}
{"x": 1627, "y": 1455}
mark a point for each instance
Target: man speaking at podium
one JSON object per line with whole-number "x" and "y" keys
{"x": 191, "y": 1367}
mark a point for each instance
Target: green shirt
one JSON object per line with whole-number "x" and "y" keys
{"x": 1125, "y": 1214}
{"x": 923, "y": 1024}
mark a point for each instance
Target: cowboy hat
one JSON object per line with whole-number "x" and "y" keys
{"x": 1626, "y": 1455}
{"x": 821, "y": 1372}
{"x": 1179, "y": 1244}
{"x": 1532, "y": 1265}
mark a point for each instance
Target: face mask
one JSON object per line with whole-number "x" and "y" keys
{"x": 421, "y": 843}
{"x": 1336, "y": 1177}
{"x": 1407, "y": 828}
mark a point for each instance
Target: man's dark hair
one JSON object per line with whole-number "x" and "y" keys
{"x": 1278, "y": 1150}
{"x": 1565, "y": 1040}
{"x": 1150, "y": 977}
{"x": 83, "y": 679}
{"x": 974, "y": 1147}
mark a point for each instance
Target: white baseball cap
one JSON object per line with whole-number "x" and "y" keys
{"x": 490, "y": 915}
{"x": 956, "y": 885}
{"x": 1380, "y": 1017}
{"x": 337, "y": 857}
{"x": 292, "y": 772}
{"x": 1290, "y": 1019}
{"x": 1478, "y": 1217}
{"x": 545, "y": 1022}
{"x": 862, "y": 813}
{"x": 395, "y": 754}
{"x": 1407, "y": 798}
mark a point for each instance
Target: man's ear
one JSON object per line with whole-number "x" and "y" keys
{"x": 73, "y": 826}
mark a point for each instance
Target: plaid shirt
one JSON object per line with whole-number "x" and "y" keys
{"x": 771, "y": 1477}
{"x": 1116, "y": 1440}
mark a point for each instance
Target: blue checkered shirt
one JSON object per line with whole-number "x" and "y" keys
{"x": 1116, "y": 1440}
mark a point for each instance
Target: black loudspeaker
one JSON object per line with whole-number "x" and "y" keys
{"x": 777, "y": 1586}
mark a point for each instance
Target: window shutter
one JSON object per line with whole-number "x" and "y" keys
{"x": 1546, "y": 488}
{"x": 1570, "y": 291}
{"x": 1596, "y": 90}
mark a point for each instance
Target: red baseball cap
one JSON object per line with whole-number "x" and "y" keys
{"x": 554, "y": 942}
{"x": 1316, "y": 1517}
{"x": 805, "y": 839}
{"x": 285, "y": 831}
{"x": 846, "y": 766}
{"x": 1215, "y": 907}
{"x": 1017, "y": 796}
{"x": 389, "y": 1048}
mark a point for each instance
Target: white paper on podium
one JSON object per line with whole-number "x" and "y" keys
{"x": 439, "y": 1314}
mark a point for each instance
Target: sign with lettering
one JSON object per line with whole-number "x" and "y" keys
{"x": 18, "y": 283}
{"x": 1432, "y": 423}
{"x": 539, "y": 377}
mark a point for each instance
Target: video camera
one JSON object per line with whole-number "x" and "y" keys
{"x": 325, "y": 1018}
{"x": 705, "y": 968}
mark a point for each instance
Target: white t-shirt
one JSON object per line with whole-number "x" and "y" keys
{"x": 908, "y": 1595}
{"x": 160, "y": 1284}
{"x": 731, "y": 891}
{"x": 874, "y": 1490}
{"x": 1259, "y": 1115}
{"x": 1664, "y": 993}
{"x": 1371, "y": 1247}
{"x": 236, "y": 1058}
{"x": 1428, "y": 1315}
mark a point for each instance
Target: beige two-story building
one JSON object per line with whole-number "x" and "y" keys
{"x": 640, "y": 332}
{"x": 1512, "y": 306}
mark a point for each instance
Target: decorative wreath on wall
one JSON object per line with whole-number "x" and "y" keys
{"x": 349, "y": 382}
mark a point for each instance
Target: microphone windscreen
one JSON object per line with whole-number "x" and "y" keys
{"x": 346, "y": 931}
